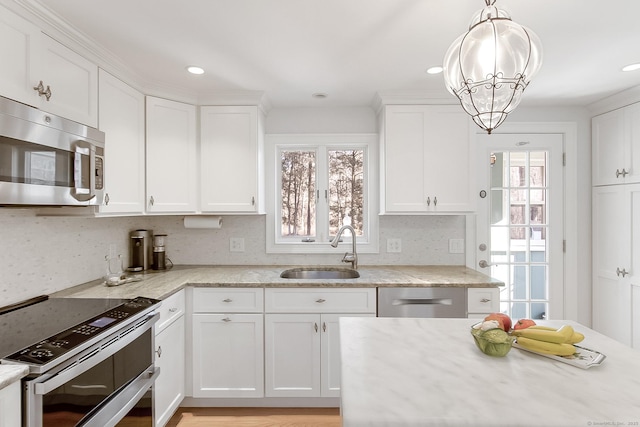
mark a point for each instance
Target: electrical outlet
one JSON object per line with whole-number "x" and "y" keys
{"x": 394, "y": 246}
{"x": 236, "y": 244}
{"x": 456, "y": 246}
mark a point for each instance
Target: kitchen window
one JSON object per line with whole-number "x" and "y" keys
{"x": 319, "y": 183}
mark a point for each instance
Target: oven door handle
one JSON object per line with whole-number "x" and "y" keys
{"x": 111, "y": 411}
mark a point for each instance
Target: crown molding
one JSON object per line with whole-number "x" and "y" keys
{"x": 411, "y": 97}
{"x": 615, "y": 101}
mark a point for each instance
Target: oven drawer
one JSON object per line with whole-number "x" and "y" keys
{"x": 306, "y": 300}
{"x": 228, "y": 300}
{"x": 172, "y": 308}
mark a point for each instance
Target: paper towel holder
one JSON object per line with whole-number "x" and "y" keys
{"x": 203, "y": 221}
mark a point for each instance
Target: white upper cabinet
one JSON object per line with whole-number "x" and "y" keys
{"x": 73, "y": 81}
{"x": 426, "y": 160}
{"x": 231, "y": 159}
{"x": 171, "y": 157}
{"x": 121, "y": 118}
{"x": 69, "y": 81}
{"x": 21, "y": 41}
{"x": 616, "y": 146}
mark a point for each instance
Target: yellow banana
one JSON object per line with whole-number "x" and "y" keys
{"x": 575, "y": 338}
{"x": 546, "y": 347}
{"x": 562, "y": 335}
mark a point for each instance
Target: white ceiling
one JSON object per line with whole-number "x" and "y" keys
{"x": 352, "y": 49}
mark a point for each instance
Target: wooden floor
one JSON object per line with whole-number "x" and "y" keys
{"x": 256, "y": 417}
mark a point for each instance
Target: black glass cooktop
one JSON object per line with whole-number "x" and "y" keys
{"x": 25, "y": 326}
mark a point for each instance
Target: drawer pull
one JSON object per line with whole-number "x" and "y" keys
{"x": 173, "y": 309}
{"x": 485, "y": 300}
{"x": 315, "y": 326}
{"x": 226, "y": 319}
{"x": 320, "y": 300}
{"x": 159, "y": 351}
{"x": 324, "y": 326}
{"x": 227, "y": 300}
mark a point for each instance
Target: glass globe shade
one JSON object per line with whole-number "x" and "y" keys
{"x": 489, "y": 67}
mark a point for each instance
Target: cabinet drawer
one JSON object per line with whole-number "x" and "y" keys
{"x": 228, "y": 300}
{"x": 483, "y": 300}
{"x": 358, "y": 300}
{"x": 171, "y": 308}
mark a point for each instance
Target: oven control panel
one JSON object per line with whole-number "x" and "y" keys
{"x": 50, "y": 348}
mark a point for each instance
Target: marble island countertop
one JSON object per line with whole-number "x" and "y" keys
{"x": 429, "y": 372}
{"x": 162, "y": 284}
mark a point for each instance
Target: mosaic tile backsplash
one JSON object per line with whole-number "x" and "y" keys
{"x": 42, "y": 255}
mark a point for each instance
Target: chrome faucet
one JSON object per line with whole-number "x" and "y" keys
{"x": 352, "y": 256}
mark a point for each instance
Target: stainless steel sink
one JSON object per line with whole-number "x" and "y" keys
{"x": 319, "y": 273}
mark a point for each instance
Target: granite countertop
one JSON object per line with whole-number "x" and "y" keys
{"x": 429, "y": 372}
{"x": 9, "y": 374}
{"x": 162, "y": 284}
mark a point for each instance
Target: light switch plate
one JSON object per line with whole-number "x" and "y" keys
{"x": 394, "y": 246}
{"x": 236, "y": 244}
{"x": 456, "y": 246}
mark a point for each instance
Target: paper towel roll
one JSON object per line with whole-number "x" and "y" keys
{"x": 203, "y": 221}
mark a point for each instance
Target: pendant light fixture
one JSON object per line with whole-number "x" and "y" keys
{"x": 489, "y": 66}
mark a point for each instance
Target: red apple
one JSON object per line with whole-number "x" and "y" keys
{"x": 523, "y": 324}
{"x": 502, "y": 318}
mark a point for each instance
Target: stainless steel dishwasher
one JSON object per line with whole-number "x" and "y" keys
{"x": 422, "y": 302}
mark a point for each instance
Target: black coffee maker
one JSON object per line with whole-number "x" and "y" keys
{"x": 140, "y": 250}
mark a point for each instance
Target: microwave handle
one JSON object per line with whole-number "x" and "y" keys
{"x": 79, "y": 193}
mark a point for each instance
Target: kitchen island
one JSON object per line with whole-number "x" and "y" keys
{"x": 429, "y": 372}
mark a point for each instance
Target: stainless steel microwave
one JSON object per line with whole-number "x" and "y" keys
{"x": 46, "y": 160}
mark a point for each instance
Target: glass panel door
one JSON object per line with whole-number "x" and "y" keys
{"x": 520, "y": 222}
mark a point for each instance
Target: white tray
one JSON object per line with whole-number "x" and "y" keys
{"x": 584, "y": 358}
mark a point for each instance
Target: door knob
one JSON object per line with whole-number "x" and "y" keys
{"x": 484, "y": 264}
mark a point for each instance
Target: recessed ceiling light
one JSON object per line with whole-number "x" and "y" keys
{"x": 195, "y": 70}
{"x": 434, "y": 70}
{"x": 319, "y": 95}
{"x": 631, "y": 67}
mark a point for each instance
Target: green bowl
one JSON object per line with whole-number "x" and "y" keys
{"x": 492, "y": 343}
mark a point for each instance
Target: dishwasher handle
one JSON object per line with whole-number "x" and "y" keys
{"x": 422, "y": 301}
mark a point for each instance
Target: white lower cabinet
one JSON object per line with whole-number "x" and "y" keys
{"x": 10, "y": 397}
{"x": 169, "y": 388}
{"x": 302, "y": 342}
{"x": 482, "y": 301}
{"x": 228, "y": 342}
{"x": 227, "y": 359}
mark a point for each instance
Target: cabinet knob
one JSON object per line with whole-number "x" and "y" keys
{"x": 315, "y": 326}
{"x": 151, "y": 201}
{"x": 227, "y": 300}
{"x": 324, "y": 326}
{"x": 485, "y": 300}
{"x": 173, "y": 309}
{"x": 159, "y": 351}
{"x": 106, "y": 199}
{"x": 320, "y": 300}
{"x": 428, "y": 201}
{"x": 226, "y": 319}
{"x": 435, "y": 201}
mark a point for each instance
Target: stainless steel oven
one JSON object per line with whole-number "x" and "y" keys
{"x": 46, "y": 160}
{"x": 99, "y": 372}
